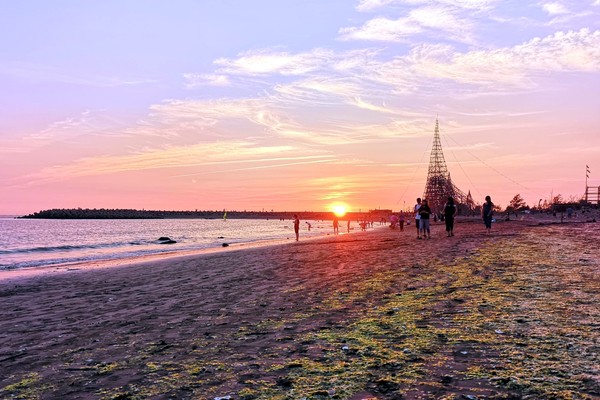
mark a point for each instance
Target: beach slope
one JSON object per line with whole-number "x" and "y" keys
{"x": 371, "y": 315}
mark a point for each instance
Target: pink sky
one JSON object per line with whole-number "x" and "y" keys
{"x": 270, "y": 105}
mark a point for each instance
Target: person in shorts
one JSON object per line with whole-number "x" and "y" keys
{"x": 425, "y": 213}
{"x": 418, "y": 218}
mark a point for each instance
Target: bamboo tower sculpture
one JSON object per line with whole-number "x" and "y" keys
{"x": 439, "y": 185}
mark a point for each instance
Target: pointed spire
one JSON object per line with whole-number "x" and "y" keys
{"x": 439, "y": 185}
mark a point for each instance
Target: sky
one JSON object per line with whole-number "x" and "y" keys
{"x": 292, "y": 105}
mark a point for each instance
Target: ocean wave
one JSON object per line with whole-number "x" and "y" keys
{"x": 75, "y": 247}
{"x": 43, "y": 243}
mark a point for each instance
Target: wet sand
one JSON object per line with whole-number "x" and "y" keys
{"x": 372, "y": 315}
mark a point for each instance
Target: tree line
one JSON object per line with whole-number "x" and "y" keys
{"x": 105, "y": 213}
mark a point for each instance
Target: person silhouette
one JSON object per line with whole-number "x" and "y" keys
{"x": 450, "y": 211}
{"x": 297, "y": 226}
{"x": 487, "y": 211}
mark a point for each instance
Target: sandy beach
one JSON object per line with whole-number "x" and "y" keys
{"x": 371, "y": 315}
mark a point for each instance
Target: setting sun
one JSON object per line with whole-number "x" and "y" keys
{"x": 339, "y": 209}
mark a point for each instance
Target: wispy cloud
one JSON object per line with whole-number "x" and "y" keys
{"x": 196, "y": 156}
{"x": 209, "y": 112}
{"x": 473, "y": 146}
{"x": 272, "y": 62}
{"x": 87, "y": 124}
{"x": 38, "y": 73}
{"x": 367, "y": 73}
{"x": 267, "y": 61}
{"x": 371, "y": 84}
{"x": 471, "y": 4}
{"x": 514, "y": 66}
{"x": 372, "y": 107}
{"x": 445, "y": 19}
{"x": 199, "y": 80}
{"x": 370, "y": 5}
{"x": 320, "y": 89}
{"x": 272, "y": 164}
{"x": 382, "y": 29}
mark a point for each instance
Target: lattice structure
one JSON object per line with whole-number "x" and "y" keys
{"x": 439, "y": 185}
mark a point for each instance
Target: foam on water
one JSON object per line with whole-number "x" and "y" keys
{"x": 27, "y": 243}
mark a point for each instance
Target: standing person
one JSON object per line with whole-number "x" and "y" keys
{"x": 297, "y": 226}
{"x": 348, "y": 225}
{"x": 418, "y": 218}
{"x": 450, "y": 211}
{"x": 425, "y": 213}
{"x": 336, "y": 225}
{"x": 486, "y": 212}
{"x": 401, "y": 221}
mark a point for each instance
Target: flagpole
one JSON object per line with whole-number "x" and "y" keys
{"x": 587, "y": 175}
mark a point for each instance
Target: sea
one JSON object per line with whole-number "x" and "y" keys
{"x": 35, "y": 243}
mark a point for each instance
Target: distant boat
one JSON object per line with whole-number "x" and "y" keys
{"x": 225, "y": 216}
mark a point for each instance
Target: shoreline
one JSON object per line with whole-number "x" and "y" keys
{"x": 375, "y": 315}
{"x": 16, "y": 273}
{"x": 13, "y": 275}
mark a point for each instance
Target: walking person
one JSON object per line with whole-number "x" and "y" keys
{"x": 450, "y": 211}
{"x": 425, "y": 213}
{"x": 486, "y": 212}
{"x": 336, "y": 225}
{"x": 418, "y": 218}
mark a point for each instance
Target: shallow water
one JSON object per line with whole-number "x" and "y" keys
{"x": 27, "y": 243}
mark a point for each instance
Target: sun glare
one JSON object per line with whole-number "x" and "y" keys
{"x": 339, "y": 209}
